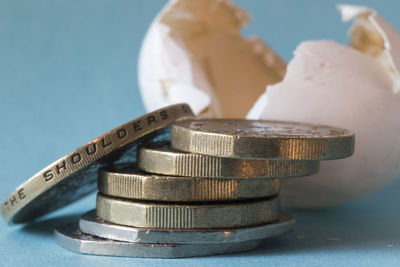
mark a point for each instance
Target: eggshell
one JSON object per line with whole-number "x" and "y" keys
{"x": 332, "y": 84}
{"x": 167, "y": 73}
{"x": 374, "y": 36}
{"x": 193, "y": 52}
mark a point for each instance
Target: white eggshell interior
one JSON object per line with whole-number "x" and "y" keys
{"x": 193, "y": 52}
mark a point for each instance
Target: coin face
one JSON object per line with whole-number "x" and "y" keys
{"x": 201, "y": 215}
{"x": 131, "y": 183}
{"x": 159, "y": 157}
{"x": 270, "y": 129}
{"x": 75, "y": 175}
{"x": 238, "y": 138}
{"x": 71, "y": 238}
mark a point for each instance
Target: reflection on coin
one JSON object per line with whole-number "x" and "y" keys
{"x": 89, "y": 223}
{"x": 262, "y": 139}
{"x": 69, "y": 237}
{"x": 162, "y": 159}
{"x": 187, "y": 216}
{"x": 129, "y": 182}
{"x": 74, "y": 175}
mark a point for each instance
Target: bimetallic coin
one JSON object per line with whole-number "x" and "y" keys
{"x": 75, "y": 175}
{"x": 126, "y": 181}
{"x": 187, "y": 216}
{"x": 90, "y": 224}
{"x": 262, "y": 139}
{"x": 162, "y": 159}
{"x": 69, "y": 237}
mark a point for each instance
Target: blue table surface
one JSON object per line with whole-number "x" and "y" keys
{"x": 68, "y": 74}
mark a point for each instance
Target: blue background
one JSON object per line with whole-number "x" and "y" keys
{"x": 68, "y": 74}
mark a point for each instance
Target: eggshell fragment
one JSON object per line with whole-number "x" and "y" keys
{"x": 193, "y": 52}
{"x": 332, "y": 84}
{"x": 374, "y": 36}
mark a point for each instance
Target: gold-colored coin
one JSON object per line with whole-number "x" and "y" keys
{"x": 252, "y": 139}
{"x": 75, "y": 175}
{"x": 129, "y": 182}
{"x": 187, "y": 216}
{"x": 162, "y": 159}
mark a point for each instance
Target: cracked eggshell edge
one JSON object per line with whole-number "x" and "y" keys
{"x": 391, "y": 37}
{"x": 329, "y": 83}
{"x": 166, "y": 69}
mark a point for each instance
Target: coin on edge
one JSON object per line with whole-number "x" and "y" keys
{"x": 239, "y": 138}
{"x": 162, "y": 159}
{"x": 168, "y": 215}
{"x": 69, "y": 237}
{"x": 126, "y": 181}
{"x": 75, "y": 175}
{"x": 90, "y": 224}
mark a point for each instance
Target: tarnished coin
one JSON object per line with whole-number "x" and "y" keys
{"x": 69, "y": 237}
{"x": 162, "y": 159}
{"x": 187, "y": 216}
{"x": 75, "y": 175}
{"x": 90, "y": 224}
{"x": 262, "y": 139}
{"x": 129, "y": 182}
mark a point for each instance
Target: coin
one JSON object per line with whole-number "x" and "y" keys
{"x": 126, "y": 181}
{"x": 69, "y": 237}
{"x": 75, "y": 175}
{"x": 262, "y": 139}
{"x": 90, "y": 224}
{"x": 187, "y": 216}
{"x": 162, "y": 159}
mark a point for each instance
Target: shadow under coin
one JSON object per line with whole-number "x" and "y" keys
{"x": 45, "y": 227}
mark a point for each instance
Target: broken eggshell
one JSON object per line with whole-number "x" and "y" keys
{"x": 193, "y": 52}
{"x": 373, "y": 35}
{"x": 329, "y": 83}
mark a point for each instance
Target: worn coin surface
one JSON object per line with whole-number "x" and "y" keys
{"x": 187, "y": 216}
{"x": 69, "y": 237}
{"x": 90, "y": 224}
{"x": 162, "y": 159}
{"x": 75, "y": 175}
{"x": 127, "y": 181}
{"x": 262, "y": 139}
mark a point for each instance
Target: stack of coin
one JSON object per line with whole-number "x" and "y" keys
{"x": 213, "y": 188}
{"x": 200, "y": 187}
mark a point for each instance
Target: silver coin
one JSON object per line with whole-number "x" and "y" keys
{"x": 90, "y": 224}
{"x": 75, "y": 175}
{"x": 183, "y": 215}
{"x": 69, "y": 237}
{"x": 127, "y": 181}
{"x": 257, "y": 139}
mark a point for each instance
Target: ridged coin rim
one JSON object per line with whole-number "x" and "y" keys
{"x": 187, "y": 216}
{"x": 190, "y": 137}
{"x": 75, "y": 175}
{"x": 126, "y": 181}
{"x": 162, "y": 159}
